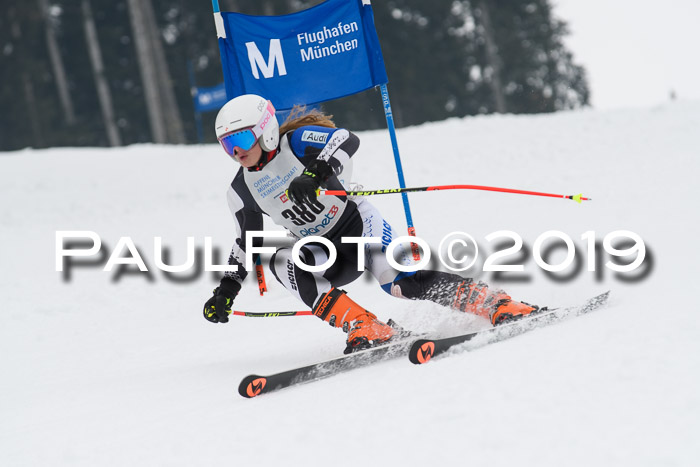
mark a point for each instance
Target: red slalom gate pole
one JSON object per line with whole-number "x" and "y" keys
{"x": 578, "y": 198}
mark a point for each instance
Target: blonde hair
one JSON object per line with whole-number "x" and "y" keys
{"x": 300, "y": 116}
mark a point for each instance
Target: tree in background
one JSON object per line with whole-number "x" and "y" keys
{"x": 24, "y": 80}
{"x": 444, "y": 58}
{"x": 163, "y": 112}
{"x": 59, "y": 71}
{"x": 536, "y": 71}
{"x": 103, "y": 92}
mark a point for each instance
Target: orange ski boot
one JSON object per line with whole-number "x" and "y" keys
{"x": 363, "y": 328}
{"x": 508, "y": 310}
{"x": 496, "y": 306}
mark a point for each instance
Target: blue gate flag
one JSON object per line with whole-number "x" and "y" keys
{"x": 212, "y": 98}
{"x": 326, "y": 52}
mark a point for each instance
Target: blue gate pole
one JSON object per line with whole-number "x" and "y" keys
{"x": 399, "y": 169}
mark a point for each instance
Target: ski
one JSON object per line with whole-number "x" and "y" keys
{"x": 419, "y": 351}
{"x": 255, "y": 385}
{"x": 423, "y": 350}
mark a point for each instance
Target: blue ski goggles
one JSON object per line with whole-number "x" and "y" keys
{"x": 244, "y": 139}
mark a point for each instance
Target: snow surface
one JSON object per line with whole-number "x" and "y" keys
{"x": 98, "y": 370}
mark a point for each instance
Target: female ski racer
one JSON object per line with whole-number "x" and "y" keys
{"x": 281, "y": 169}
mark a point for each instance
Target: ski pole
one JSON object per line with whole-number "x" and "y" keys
{"x": 271, "y": 314}
{"x": 578, "y": 198}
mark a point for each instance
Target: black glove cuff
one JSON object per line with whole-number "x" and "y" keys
{"x": 228, "y": 288}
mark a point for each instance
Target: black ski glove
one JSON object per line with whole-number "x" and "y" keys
{"x": 303, "y": 188}
{"x": 218, "y": 307}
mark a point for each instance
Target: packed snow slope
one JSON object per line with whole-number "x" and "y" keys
{"x": 105, "y": 369}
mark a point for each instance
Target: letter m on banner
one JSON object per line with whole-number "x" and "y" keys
{"x": 323, "y": 53}
{"x": 267, "y": 68}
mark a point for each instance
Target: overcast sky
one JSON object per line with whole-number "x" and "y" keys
{"x": 635, "y": 51}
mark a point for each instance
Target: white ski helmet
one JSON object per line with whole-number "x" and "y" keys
{"x": 246, "y": 119}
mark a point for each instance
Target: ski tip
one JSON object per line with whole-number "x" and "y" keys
{"x": 252, "y": 386}
{"x": 421, "y": 351}
{"x": 601, "y": 299}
